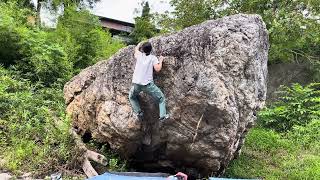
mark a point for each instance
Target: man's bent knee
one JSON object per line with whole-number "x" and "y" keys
{"x": 131, "y": 92}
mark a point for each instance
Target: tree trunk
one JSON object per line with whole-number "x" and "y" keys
{"x": 38, "y": 13}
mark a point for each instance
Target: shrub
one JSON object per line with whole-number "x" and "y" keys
{"x": 30, "y": 49}
{"x": 82, "y": 37}
{"x": 34, "y": 129}
{"x": 11, "y": 15}
{"x": 261, "y": 156}
{"x": 9, "y": 46}
{"x": 10, "y": 18}
{"x": 290, "y": 152}
{"x": 44, "y": 61}
{"x": 297, "y": 105}
{"x": 48, "y": 56}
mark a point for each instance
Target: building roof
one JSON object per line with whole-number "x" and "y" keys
{"x": 116, "y": 21}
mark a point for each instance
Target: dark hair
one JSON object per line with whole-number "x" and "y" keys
{"x": 146, "y": 48}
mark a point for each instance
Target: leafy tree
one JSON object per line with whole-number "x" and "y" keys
{"x": 52, "y": 55}
{"x": 47, "y": 56}
{"x": 34, "y": 135}
{"x": 144, "y": 27}
{"x": 188, "y": 13}
{"x": 83, "y": 38}
{"x": 11, "y": 17}
{"x": 146, "y": 10}
{"x": 43, "y": 60}
{"x": 297, "y": 105}
{"x": 20, "y": 3}
{"x": 29, "y": 49}
{"x": 52, "y": 4}
{"x": 293, "y": 25}
{"x": 9, "y": 46}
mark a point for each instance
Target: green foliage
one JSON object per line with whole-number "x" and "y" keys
{"x": 34, "y": 129}
{"x": 315, "y": 70}
{"x": 255, "y": 160}
{"x": 290, "y": 152}
{"x": 53, "y": 4}
{"x": 68, "y": 3}
{"x": 10, "y": 17}
{"x": 188, "y": 13}
{"x": 265, "y": 140}
{"x": 115, "y": 163}
{"x": 297, "y": 105}
{"x": 83, "y": 38}
{"x": 143, "y": 30}
{"x": 43, "y": 61}
{"x": 30, "y": 49}
{"x": 308, "y": 136}
{"x": 146, "y": 10}
{"x": 9, "y": 46}
{"x": 50, "y": 56}
{"x": 270, "y": 155}
{"x": 293, "y": 26}
{"x": 144, "y": 27}
{"x": 20, "y": 3}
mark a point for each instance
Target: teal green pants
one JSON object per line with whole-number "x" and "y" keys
{"x": 153, "y": 91}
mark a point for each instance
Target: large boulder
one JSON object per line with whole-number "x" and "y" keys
{"x": 214, "y": 80}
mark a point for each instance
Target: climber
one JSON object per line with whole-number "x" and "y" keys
{"x": 142, "y": 80}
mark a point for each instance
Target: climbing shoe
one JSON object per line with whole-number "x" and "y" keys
{"x": 164, "y": 118}
{"x": 139, "y": 115}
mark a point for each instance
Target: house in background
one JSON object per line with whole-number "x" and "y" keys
{"x": 118, "y": 29}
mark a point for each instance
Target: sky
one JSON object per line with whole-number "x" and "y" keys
{"x": 124, "y": 10}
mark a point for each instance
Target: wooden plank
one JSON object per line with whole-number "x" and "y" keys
{"x": 97, "y": 157}
{"x": 88, "y": 169}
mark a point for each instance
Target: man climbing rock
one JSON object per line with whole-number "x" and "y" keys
{"x": 142, "y": 80}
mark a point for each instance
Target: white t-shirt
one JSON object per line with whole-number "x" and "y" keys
{"x": 143, "y": 72}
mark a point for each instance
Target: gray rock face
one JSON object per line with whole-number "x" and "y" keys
{"x": 214, "y": 79}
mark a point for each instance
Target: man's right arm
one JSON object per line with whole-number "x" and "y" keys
{"x": 157, "y": 67}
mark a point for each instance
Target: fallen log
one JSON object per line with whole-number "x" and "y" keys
{"x": 88, "y": 155}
